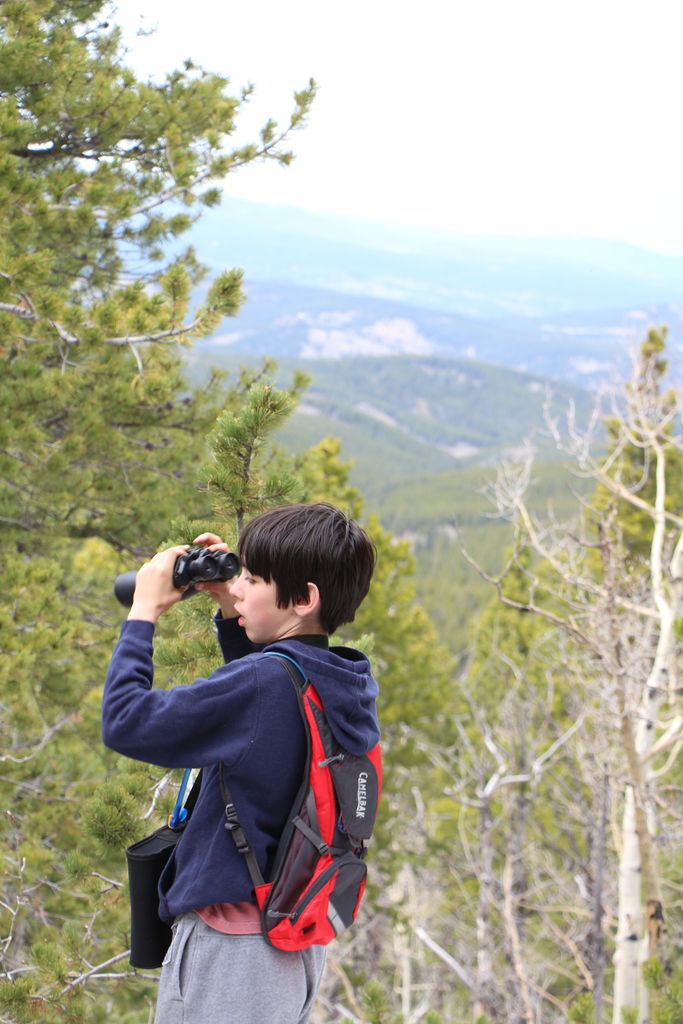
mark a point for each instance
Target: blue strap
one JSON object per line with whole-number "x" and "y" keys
{"x": 179, "y": 814}
{"x": 280, "y": 654}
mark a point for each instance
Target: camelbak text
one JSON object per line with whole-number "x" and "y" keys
{"x": 362, "y": 795}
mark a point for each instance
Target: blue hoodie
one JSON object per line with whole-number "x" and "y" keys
{"x": 245, "y": 714}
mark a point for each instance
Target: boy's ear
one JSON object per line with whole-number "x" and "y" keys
{"x": 310, "y": 605}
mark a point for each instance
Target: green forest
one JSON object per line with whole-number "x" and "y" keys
{"x": 524, "y": 621}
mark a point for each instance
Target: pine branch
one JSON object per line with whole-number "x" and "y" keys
{"x": 94, "y": 972}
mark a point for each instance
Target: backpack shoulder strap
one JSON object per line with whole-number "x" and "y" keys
{"x": 232, "y": 823}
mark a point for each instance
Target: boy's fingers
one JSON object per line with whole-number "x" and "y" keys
{"x": 163, "y": 561}
{"x": 170, "y": 554}
{"x": 207, "y": 538}
{"x": 212, "y": 541}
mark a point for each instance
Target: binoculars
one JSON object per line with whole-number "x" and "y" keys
{"x": 198, "y": 565}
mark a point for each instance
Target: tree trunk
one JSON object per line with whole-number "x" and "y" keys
{"x": 639, "y": 882}
{"x": 484, "y": 999}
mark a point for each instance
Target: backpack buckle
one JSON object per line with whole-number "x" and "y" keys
{"x": 232, "y": 824}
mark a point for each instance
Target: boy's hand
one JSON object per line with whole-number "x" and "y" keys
{"x": 154, "y": 590}
{"x": 219, "y": 590}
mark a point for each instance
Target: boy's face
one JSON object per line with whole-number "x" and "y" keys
{"x": 256, "y": 605}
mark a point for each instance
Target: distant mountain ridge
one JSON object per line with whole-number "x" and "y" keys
{"x": 429, "y": 378}
{"x": 477, "y": 276}
{"x": 435, "y": 375}
{"x": 285, "y": 320}
{"x": 323, "y": 287}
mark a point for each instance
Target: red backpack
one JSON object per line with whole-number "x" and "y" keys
{"x": 319, "y": 870}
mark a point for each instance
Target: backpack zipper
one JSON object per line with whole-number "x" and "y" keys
{"x": 330, "y": 760}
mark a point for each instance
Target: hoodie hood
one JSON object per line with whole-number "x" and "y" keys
{"x": 343, "y": 679}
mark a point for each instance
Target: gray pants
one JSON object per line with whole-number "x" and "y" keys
{"x": 211, "y": 978}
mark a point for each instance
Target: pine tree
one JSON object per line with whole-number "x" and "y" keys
{"x": 99, "y": 174}
{"x": 100, "y": 444}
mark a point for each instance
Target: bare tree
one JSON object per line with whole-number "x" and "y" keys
{"x": 612, "y": 584}
{"x": 519, "y": 936}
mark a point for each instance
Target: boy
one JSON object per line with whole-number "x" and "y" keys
{"x": 305, "y": 570}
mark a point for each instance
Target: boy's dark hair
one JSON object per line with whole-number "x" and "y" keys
{"x": 295, "y": 545}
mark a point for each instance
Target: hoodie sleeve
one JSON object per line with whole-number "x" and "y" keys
{"x": 193, "y": 725}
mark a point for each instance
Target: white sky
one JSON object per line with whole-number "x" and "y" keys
{"x": 506, "y": 116}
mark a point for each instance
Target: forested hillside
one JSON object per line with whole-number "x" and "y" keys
{"x": 403, "y": 415}
{"x": 422, "y": 437}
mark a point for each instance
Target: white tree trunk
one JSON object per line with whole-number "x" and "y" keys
{"x": 638, "y": 876}
{"x": 484, "y": 973}
{"x": 630, "y": 924}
